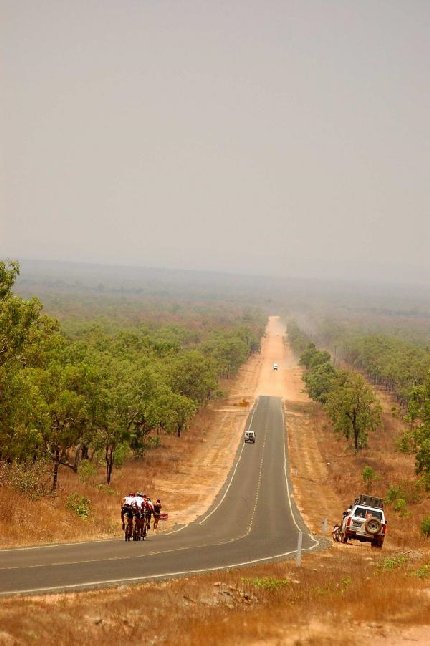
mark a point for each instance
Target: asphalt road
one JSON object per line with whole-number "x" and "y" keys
{"x": 253, "y": 519}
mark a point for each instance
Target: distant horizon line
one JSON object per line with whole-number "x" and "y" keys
{"x": 219, "y": 272}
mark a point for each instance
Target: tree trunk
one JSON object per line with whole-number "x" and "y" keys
{"x": 78, "y": 458}
{"x": 109, "y": 463}
{"x": 56, "y": 465}
{"x": 356, "y": 430}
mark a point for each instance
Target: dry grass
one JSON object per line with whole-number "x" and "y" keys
{"x": 239, "y": 607}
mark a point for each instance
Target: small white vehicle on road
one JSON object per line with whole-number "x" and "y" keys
{"x": 275, "y": 366}
{"x": 250, "y": 437}
{"x": 363, "y": 521}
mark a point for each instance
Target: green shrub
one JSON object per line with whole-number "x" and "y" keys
{"x": 425, "y": 526}
{"x": 400, "y": 506}
{"x": 368, "y": 474}
{"x": 268, "y": 583}
{"x": 411, "y": 491}
{"x": 394, "y": 562}
{"x": 392, "y": 493}
{"x": 80, "y": 505}
{"x": 425, "y": 481}
{"x": 423, "y": 572}
{"x": 405, "y": 444}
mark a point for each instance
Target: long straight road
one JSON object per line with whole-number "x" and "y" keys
{"x": 253, "y": 519}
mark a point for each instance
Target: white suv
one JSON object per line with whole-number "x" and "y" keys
{"x": 364, "y": 522}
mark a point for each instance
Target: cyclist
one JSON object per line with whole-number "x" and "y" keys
{"x": 157, "y": 512}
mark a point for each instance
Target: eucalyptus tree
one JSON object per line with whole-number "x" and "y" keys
{"x": 66, "y": 411}
{"x": 229, "y": 349}
{"x": 25, "y": 333}
{"x": 353, "y": 408}
{"x": 29, "y": 341}
{"x": 320, "y": 381}
{"x": 312, "y": 357}
{"x": 23, "y": 414}
{"x": 169, "y": 412}
{"x": 9, "y": 271}
{"x": 193, "y": 375}
{"x": 298, "y": 339}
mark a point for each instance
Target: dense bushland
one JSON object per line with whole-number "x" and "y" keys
{"x": 97, "y": 391}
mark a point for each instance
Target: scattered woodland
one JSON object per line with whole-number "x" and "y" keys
{"x": 398, "y": 366}
{"x": 79, "y": 391}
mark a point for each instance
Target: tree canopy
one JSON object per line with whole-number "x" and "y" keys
{"x": 64, "y": 396}
{"x": 347, "y": 398}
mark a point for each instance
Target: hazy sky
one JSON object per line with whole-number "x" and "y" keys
{"x": 285, "y": 137}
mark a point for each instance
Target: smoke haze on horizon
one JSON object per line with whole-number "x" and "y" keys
{"x": 285, "y": 137}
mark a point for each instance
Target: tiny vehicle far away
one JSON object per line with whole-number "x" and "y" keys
{"x": 250, "y": 436}
{"x": 363, "y": 521}
{"x": 275, "y": 366}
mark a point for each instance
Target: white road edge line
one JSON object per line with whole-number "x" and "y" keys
{"x": 286, "y": 478}
{"x": 149, "y": 577}
{"x": 175, "y": 531}
{"x": 234, "y": 471}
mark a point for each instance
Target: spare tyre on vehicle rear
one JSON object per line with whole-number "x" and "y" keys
{"x": 373, "y": 526}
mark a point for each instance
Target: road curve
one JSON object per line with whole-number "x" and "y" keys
{"x": 253, "y": 519}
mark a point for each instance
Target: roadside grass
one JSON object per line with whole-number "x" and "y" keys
{"x": 236, "y": 607}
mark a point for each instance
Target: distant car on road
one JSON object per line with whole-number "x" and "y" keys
{"x": 250, "y": 436}
{"x": 275, "y": 366}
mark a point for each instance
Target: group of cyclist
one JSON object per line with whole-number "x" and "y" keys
{"x": 136, "y": 512}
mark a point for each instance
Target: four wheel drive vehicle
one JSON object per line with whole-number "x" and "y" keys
{"x": 250, "y": 436}
{"x": 364, "y": 521}
{"x": 275, "y": 366}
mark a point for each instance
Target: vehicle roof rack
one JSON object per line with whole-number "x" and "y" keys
{"x": 369, "y": 501}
